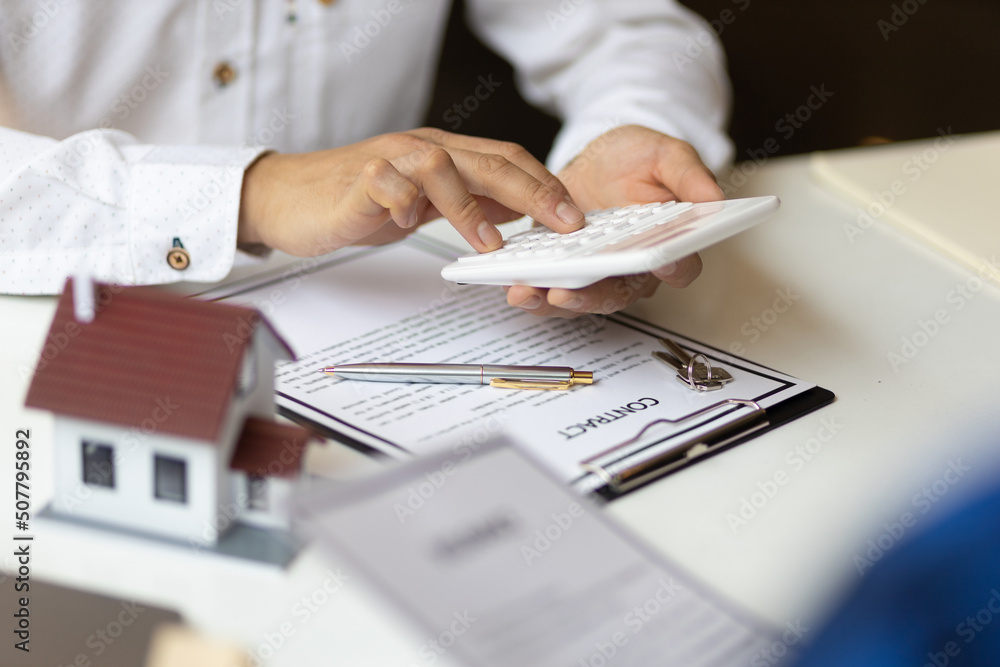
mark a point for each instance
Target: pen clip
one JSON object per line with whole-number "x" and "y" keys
{"x": 549, "y": 385}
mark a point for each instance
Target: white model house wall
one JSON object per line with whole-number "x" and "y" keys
{"x": 277, "y": 495}
{"x": 257, "y": 401}
{"x": 131, "y": 503}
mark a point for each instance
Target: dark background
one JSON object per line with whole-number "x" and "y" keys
{"x": 941, "y": 69}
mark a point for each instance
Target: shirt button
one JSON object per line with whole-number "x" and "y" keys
{"x": 327, "y": 2}
{"x": 224, "y": 74}
{"x": 178, "y": 258}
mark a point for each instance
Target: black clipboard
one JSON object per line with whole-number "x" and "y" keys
{"x": 665, "y": 456}
{"x": 637, "y": 470}
{"x": 638, "y": 467}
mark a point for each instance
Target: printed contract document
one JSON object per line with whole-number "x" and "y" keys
{"x": 389, "y": 304}
{"x": 503, "y": 566}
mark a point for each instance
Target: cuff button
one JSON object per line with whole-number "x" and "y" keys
{"x": 178, "y": 258}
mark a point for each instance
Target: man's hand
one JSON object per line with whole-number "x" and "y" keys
{"x": 627, "y": 165}
{"x": 381, "y": 189}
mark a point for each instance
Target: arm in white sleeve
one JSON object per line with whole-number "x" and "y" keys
{"x": 600, "y": 64}
{"x": 101, "y": 203}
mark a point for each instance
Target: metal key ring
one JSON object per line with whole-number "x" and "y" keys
{"x": 690, "y": 369}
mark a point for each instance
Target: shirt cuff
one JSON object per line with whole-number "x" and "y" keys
{"x": 184, "y": 211}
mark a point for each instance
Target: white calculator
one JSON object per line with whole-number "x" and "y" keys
{"x": 614, "y": 242}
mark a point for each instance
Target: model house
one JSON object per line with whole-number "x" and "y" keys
{"x": 164, "y": 409}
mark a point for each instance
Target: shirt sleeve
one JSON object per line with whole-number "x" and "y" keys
{"x": 601, "y": 64}
{"x": 101, "y": 203}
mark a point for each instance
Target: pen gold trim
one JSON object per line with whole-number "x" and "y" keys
{"x": 576, "y": 377}
{"x": 542, "y": 385}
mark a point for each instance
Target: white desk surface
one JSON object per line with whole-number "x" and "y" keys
{"x": 897, "y": 431}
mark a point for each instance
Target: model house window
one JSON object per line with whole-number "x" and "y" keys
{"x": 171, "y": 479}
{"x": 98, "y": 465}
{"x": 257, "y": 492}
{"x": 247, "y": 378}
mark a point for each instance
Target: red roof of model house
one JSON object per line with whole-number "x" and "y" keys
{"x": 269, "y": 449}
{"x": 149, "y": 359}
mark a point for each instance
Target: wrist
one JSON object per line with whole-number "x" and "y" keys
{"x": 253, "y": 201}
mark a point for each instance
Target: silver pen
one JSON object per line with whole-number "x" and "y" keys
{"x": 510, "y": 377}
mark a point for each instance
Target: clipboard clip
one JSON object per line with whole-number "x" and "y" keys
{"x": 646, "y": 470}
{"x": 696, "y": 372}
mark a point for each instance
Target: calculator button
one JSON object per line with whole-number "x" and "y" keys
{"x": 672, "y": 211}
{"x": 640, "y": 229}
{"x": 652, "y": 238}
{"x": 476, "y": 259}
{"x": 551, "y": 253}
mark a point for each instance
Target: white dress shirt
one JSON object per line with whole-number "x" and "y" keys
{"x": 125, "y": 127}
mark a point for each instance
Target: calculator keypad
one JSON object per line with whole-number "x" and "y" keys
{"x": 613, "y": 242}
{"x": 609, "y": 230}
